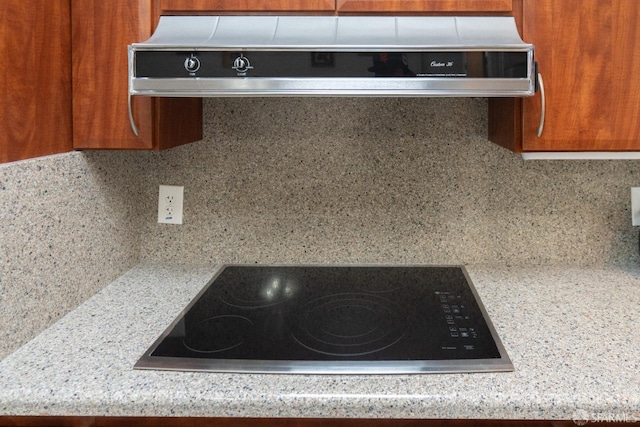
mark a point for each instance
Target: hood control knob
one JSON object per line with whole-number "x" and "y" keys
{"x": 192, "y": 64}
{"x": 241, "y": 64}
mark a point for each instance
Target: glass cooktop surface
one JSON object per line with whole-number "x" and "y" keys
{"x": 332, "y": 319}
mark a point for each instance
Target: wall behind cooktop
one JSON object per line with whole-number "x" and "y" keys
{"x": 365, "y": 180}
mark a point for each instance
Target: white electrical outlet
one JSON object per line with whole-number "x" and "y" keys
{"x": 635, "y": 205}
{"x": 170, "y": 204}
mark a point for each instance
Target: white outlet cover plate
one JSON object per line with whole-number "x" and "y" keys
{"x": 170, "y": 200}
{"x": 635, "y": 205}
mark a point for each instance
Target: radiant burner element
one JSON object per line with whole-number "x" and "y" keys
{"x": 259, "y": 294}
{"x": 218, "y": 334}
{"x": 349, "y": 324}
{"x": 330, "y": 320}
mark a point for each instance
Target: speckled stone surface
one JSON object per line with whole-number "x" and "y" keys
{"x": 368, "y": 180}
{"x": 569, "y": 332}
{"x": 324, "y": 180}
{"x": 68, "y": 227}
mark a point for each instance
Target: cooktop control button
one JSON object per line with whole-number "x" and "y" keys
{"x": 192, "y": 64}
{"x": 456, "y": 319}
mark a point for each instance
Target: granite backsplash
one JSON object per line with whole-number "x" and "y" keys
{"x": 68, "y": 227}
{"x": 365, "y": 180}
{"x": 351, "y": 180}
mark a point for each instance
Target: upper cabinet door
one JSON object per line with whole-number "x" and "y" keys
{"x": 424, "y": 6}
{"x": 35, "y": 78}
{"x": 587, "y": 56}
{"x": 101, "y": 31}
{"x": 168, "y": 6}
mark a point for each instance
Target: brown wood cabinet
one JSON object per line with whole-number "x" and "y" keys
{"x": 270, "y": 422}
{"x": 35, "y": 78}
{"x": 208, "y": 6}
{"x": 591, "y": 73}
{"x": 365, "y": 6}
{"x": 101, "y": 31}
{"x": 445, "y": 6}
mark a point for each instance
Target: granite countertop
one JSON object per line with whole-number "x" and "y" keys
{"x": 572, "y": 334}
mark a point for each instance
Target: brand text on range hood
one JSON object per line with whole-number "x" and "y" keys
{"x": 211, "y": 56}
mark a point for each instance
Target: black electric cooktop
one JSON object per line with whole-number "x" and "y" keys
{"x": 332, "y": 320}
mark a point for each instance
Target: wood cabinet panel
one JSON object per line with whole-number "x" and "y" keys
{"x": 424, "y": 5}
{"x": 585, "y": 50}
{"x": 101, "y": 31}
{"x": 178, "y": 6}
{"x": 45, "y": 421}
{"x": 35, "y": 78}
{"x": 169, "y": 6}
{"x": 268, "y": 422}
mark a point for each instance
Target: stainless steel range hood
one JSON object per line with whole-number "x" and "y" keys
{"x": 212, "y": 56}
{"x": 240, "y": 56}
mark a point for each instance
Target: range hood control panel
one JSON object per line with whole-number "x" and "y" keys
{"x": 297, "y": 65}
